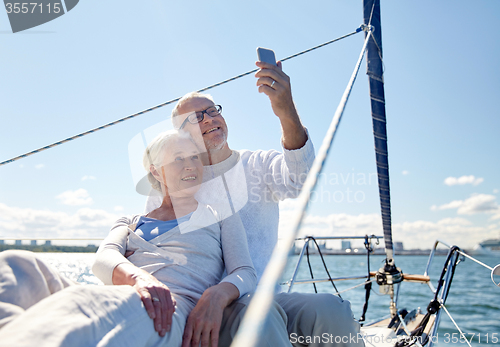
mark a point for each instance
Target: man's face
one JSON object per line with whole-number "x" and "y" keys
{"x": 213, "y": 130}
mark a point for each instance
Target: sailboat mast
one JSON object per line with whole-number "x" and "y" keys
{"x": 371, "y": 14}
{"x": 388, "y": 275}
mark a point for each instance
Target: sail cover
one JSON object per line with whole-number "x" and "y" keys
{"x": 371, "y": 14}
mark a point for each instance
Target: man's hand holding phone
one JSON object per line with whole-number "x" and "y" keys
{"x": 272, "y": 81}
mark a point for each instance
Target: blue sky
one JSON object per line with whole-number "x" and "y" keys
{"x": 105, "y": 60}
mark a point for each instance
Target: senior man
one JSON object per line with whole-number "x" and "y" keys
{"x": 252, "y": 183}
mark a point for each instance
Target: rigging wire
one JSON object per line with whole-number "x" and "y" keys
{"x": 259, "y": 306}
{"x": 456, "y": 325}
{"x": 310, "y": 268}
{"x": 324, "y": 265}
{"x": 368, "y": 285}
{"x": 358, "y": 30}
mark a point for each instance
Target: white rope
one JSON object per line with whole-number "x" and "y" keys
{"x": 405, "y": 328}
{"x": 353, "y": 287}
{"x": 456, "y": 326}
{"x": 258, "y": 309}
{"x": 477, "y": 261}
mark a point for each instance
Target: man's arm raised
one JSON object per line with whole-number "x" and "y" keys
{"x": 273, "y": 82}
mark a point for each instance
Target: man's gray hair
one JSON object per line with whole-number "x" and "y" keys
{"x": 185, "y": 98}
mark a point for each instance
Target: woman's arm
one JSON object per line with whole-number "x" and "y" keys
{"x": 239, "y": 266}
{"x": 112, "y": 267}
{"x": 205, "y": 319}
{"x": 111, "y": 251}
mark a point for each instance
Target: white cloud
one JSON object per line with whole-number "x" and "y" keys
{"x": 405, "y": 172}
{"x": 459, "y": 231}
{"x": 75, "y": 198}
{"x": 450, "y": 205}
{"x": 453, "y": 181}
{"x": 477, "y": 203}
{"x": 84, "y": 178}
{"x": 94, "y": 218}
{"x": 414, "y": 234}
{"x": 26, "y": 222}
{"x": 495, "y": 216}
{"x": 454, "y": 221}
{"x": 332, "y": 225}
{"x": 118, "y": 208}
{"x": 495, "y": 191}
{"x": 39, "y": 166}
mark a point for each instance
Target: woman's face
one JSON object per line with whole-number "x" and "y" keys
{"x": 182, "y": 170}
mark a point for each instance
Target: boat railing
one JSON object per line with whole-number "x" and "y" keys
{"x": 458, "y": 251}
{"x": 455, "y": 255}
{"x": 445, "y": 286}
{"x": 293, "y": 280}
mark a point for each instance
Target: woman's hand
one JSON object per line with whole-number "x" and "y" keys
{"x": 155, "y": 296}
{"x": 204, "y": 321}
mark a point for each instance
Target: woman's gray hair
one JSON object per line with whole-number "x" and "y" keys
{"x": 187, "y": 97}
{"x": 154, "y": 153}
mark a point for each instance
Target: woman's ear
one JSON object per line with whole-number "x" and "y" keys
{"x": 160, "y": 177}
{"x": 155, "y": 173}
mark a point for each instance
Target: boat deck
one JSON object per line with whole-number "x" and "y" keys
{"x": 379, "y": 335}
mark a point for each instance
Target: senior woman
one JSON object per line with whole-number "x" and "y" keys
{"x": 177, "y": 255}
{"x": 179, "y": 251}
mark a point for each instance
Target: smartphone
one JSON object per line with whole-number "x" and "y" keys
{"x": 266, "y": 55}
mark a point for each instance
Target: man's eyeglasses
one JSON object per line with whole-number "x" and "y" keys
{"x": 196, "y": 117}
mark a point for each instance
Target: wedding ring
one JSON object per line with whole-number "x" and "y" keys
{"x": 155, "y": 299}
{"x": 272, "y": 84}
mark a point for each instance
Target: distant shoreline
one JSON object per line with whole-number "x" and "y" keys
{"x": 328, "y": 251}
{"x": 379, "y": 251}
{"x": 51, "y": 248}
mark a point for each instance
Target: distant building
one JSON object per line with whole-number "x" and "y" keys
{"x": 18, "y": 242}
{"x": 48, "y": 243}
{"x": 33, "y": 242}
{"x": 2, "y": 242}
{"x": 398, "y": 246}
{"x": 346, "y": 245}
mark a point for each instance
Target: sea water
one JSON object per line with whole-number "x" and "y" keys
{"x": 473, "y": 301}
